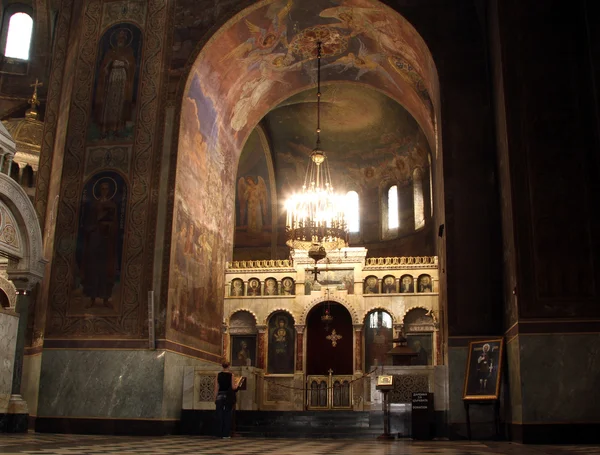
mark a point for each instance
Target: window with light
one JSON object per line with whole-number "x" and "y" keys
{"x": 393, "y": 218}
{"x": 352, "y": 212}
{"x": 18, "y": 38}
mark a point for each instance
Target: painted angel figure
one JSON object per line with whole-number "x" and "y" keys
{"x": 263, "y": 40}
{"x": 364, "y": 61}
{"x": 253, "y": 202}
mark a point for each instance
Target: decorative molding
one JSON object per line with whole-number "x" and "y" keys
{"x": 278, "y": 389}
{"x": 61, "y": 278}
{"x": 406, "y": 384}
{"x": 30, "y": 266}
{"x": 284, "y": 310}
{"x": 330, "y": 298}
{"x": 124, "y": 11}
{"x": 271, "y": 264}
{"x": 205, "y": 387}
{"x": 108, "y": 157}
{"x": 240, "y": 325}
{"x": 401, "y": 262}
{"x": 9, "y": 289}
{"x": 421, "y": 307}
{"x": 380, "y": 308}
{"x": 11, "y": 243}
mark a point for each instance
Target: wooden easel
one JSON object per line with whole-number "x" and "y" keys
{"x": 495, "y": 403}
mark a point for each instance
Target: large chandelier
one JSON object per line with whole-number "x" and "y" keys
{"x": 315, "y": 216}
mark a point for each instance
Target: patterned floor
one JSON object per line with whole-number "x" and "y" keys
{"x": 45, "y": 444}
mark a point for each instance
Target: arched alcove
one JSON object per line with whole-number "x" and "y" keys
{"x": 237, "y": 78}
{"x": 21, "y": 235}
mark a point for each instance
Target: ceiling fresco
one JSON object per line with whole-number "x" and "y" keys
{"x": 367, "y": 136}
{"x": 268, "y": 52}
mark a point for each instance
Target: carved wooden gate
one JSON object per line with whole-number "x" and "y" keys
{"x": 328, "y": 392}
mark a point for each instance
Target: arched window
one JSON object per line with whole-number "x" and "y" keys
{"x": 393, "y": 218}
{"x": 378, "y": 338}
{"x": 418, "y": 198}
{"x": 18, "y": 38}
{"x": 352, "y": 211}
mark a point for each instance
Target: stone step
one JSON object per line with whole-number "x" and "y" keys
{"x": 292, "y": 424}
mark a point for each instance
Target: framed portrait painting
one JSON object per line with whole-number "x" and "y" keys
{"x": 484, "y": 370}
{"x": 243, "y": 350}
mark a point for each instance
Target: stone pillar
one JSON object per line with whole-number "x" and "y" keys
{"x": 406, "y": 202}
{"x": 261, "y": 347}
{"x": 300, "y": 348}
{"x": 21, "y": 170}
{"x": 2, "y": 161}
{"x": 226, "y": 343}
{"x": 358, "y": 348}
{"x": 9, "y": 164}
{"x": 18, "y": 413}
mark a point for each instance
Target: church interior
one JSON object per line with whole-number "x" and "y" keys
{"x": 164, "y": 207}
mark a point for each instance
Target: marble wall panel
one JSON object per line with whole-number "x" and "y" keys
{"x": 30, "y": 384}
{"x": 109, "y": 384}
{"x": 176, "y": 367}
{"x": 514, "y": 380}
{"x": 457, "y": 359}
{"x": 9, "y": 323}
{"x": 560, "y": 374}
{"x": 440, "y": 388}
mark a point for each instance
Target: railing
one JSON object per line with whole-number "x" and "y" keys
{"x": 403, "y": 260}
{"x": 329, "y": 392}
{"x": 260, "y": 264}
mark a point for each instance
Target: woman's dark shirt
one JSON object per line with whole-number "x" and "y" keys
{"x": 224, "y": 380}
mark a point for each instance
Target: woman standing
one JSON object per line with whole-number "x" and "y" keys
{"x": 225, "y": 388}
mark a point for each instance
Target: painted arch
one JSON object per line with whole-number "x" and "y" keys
{"x": 260, "y": 57}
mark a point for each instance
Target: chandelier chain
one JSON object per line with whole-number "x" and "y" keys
{"x": 318, "y": 94}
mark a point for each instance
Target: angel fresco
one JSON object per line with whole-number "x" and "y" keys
{"x": 272, "y": 68}
{"x": 364, "y": 61}
{"x": 253, "y": 198}
{"x": 263, "y": 41}
{"x": 372, "y": 23}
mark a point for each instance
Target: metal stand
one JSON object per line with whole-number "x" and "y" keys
{"x": 496, "y": 404}
{"x": 386, "y": 417}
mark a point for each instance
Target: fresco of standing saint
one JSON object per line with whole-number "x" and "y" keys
{"x": 116, "y": 84}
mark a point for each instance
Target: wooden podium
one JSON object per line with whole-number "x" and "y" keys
{"x": 241, "y": 384}
{"x": 385, "y": 384}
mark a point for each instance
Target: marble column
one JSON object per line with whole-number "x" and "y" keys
{"x": 21, "y": 170}
{"x": 2, "y": 161}
{"x": 261, "y": 347}
{"x": 358, "y": 348}
{"x": 300, "y": 348}
{"x": 9, "y": 164}
{"x": 17, "y": 409}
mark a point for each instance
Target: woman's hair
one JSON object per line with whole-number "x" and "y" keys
{"x": 225, "y": 364}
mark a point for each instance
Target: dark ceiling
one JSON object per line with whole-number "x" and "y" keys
{"x": 367, "y": 136}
